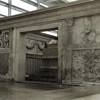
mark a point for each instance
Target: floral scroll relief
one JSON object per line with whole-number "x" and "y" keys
{"x": 86, "y": 65}
{"x": 78, "y": 66}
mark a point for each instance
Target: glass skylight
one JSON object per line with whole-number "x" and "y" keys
{"x": 5, "y": 1}
{"x": 14, "y": 12}
{"x": 23, "y": 5}
{"x": 3, "y": 10}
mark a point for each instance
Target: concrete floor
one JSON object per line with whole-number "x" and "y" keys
{"x": 26, "y": 91}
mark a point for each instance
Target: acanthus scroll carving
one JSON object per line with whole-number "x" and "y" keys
{"x": 86, "y": 65}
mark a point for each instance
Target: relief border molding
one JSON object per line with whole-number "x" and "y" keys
{"x": 68, "y": 52}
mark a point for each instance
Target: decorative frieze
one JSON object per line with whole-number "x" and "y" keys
{"x": 33, "y": 44}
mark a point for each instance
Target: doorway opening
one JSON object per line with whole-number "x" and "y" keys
{"x": 42, "y": 56}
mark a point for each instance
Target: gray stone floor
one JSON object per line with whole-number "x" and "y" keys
{"x": 26, "y": 91}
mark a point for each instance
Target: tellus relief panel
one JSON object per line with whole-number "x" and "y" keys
{"x": 89, "y": 31}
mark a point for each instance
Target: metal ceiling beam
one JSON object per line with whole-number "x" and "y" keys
{"x": 53, "y": 2}
{"x": 18, "y": 9}
{"x": 12, "y": 6}
{"x": 38, "y": 7}
{"x": 9, "y": 7}
{"x": 2, "y": 15}
{"x": 32, "y": 3}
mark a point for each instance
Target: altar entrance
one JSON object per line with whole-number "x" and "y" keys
{"x": 42, "y": 59}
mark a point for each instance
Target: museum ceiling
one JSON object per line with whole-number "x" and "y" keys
{"x": 10, "y": 7}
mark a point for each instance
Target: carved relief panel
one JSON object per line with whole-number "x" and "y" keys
{"x": 86, "y": 66}
{"x": 4, "y": 39}
{"x": 35, "y": 46}
{"x": 86, "y": 31}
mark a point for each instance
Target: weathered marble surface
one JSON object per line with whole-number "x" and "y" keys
{"x": 4, "y": 63}
{"x": 4, "y": 67}
{"x": 86, "y": 66}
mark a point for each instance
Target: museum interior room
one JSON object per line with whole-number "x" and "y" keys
{"x": 49, "y": 50}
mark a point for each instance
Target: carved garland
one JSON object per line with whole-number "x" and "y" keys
{"x": 40, "y": 44}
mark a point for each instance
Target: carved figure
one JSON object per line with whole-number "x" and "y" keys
{"x": 4, "y": 39}
{"x": 90, "y": 35}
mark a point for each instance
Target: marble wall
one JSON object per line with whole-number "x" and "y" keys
{"x": 86, "y": 56}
